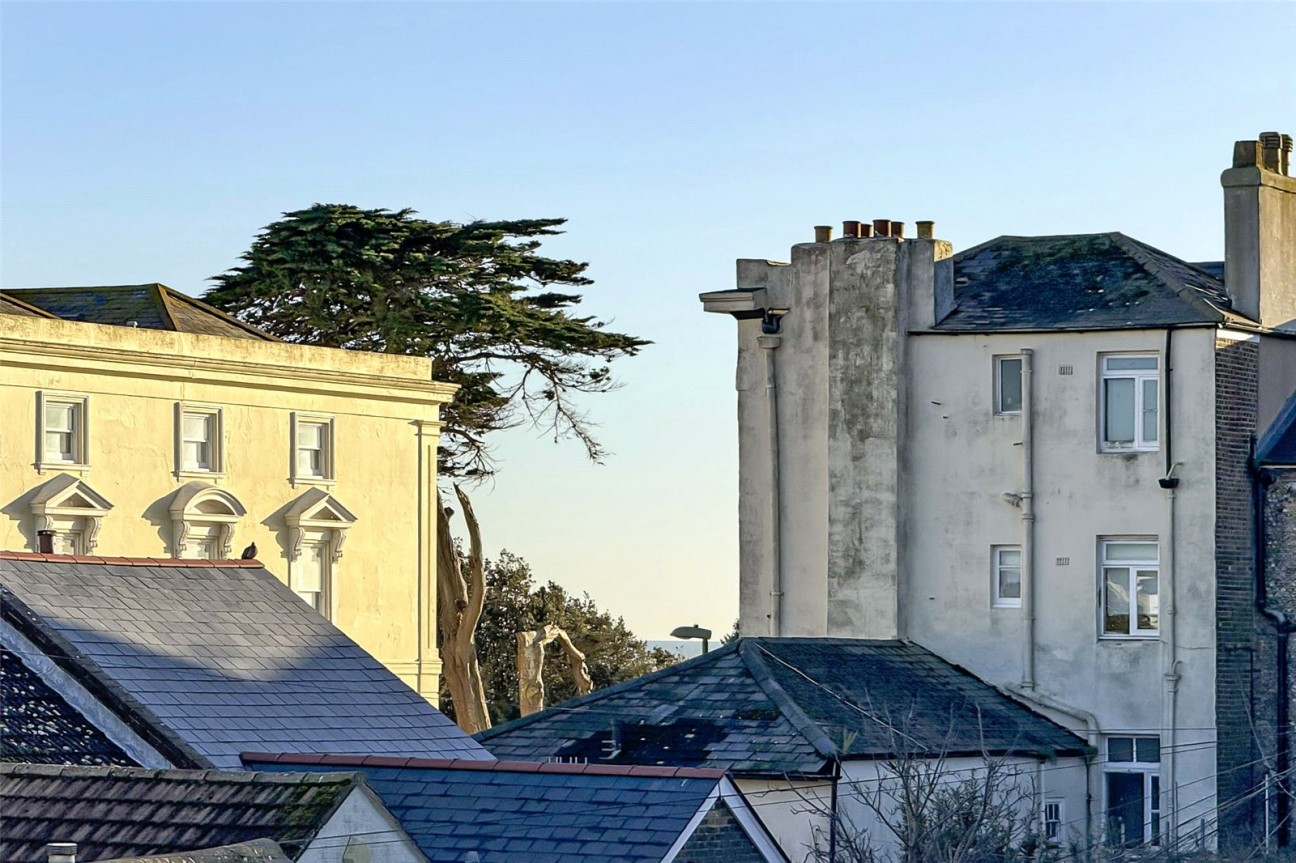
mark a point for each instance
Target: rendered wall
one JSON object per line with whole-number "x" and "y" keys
{"x": 796, "y": 812}
{"x": 385, "y": 412}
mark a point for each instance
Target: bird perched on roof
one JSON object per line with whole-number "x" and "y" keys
{"x": 249, "y": 553}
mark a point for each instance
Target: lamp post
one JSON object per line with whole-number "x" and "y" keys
{"x": 693, "y": 631}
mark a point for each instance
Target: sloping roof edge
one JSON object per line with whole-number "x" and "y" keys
{"x": 85, "y": 671}
{"x": 754, "y": 657}
{"x": 34, "y": 310}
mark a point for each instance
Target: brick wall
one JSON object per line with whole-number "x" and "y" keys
{"x": 719, "y": 839}
{"x": 1244, "y": 680}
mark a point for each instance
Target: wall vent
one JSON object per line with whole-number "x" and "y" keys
{"x": 1066, "y": 370}
{"x": 1064, "y": 561}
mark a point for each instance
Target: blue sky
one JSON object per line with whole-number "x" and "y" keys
{"x": 150, "y": 141}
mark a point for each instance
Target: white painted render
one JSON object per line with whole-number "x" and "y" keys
{"x": 794, "y": 810}
{"x": 362, "y": 831}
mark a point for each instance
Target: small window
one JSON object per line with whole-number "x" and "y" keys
{"x": 312, "y": 573}
{"x": 1054, "y": 821}
{"x": 1130, "y": 588}
{"x": 1007, "y": 576}
{"x": 61, "y": 431}
{"x": 1008, "y": 385}
{"x": 1130, "y": 398}
{"x": 312, "y": 448}
{"x": 198, "y": 440}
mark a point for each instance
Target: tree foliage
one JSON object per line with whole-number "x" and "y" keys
{"x": 476, "y": 298}
{"x": 514, "y": 602}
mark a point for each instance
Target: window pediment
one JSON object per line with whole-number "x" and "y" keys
{"x": 317, "y": 510}
{"x": 201, "y": 504}
{"x": 65, "y": 498}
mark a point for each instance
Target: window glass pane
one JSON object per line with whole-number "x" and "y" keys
{"x": 1150, "y": 410}
{"x": 1010, "y": 385}
{"x": 197, "y": 427}
{"x": 197, "y": 455}
{"x": 1149, "y": 604}
{"x": 309, "y": 462}
{"x": 1125, "y": 808}
{"x": 1148, "y": 750}
{"x": 58, "y": 446}
{"x": 58, "y": 417}
{"x": 67, "y": 542}
{"x": 1120, "y": 749}
{"x": 1010, "y": 557}
{"x": 1120, "y": 364}
{"x": 1116, "y": 600}
{"x": 1132, "y": 551}
{"x": 1118, "y": 406}
{"x": 310, "y": 435}
{"x": 1010, "y": 583}
{"x": 1154, "y": 797}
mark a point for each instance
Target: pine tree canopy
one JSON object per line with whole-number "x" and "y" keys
{"x": 476, "y": 298}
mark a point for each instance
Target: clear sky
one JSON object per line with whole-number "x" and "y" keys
{"x": 150, "y": 141}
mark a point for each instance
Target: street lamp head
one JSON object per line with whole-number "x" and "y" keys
{"x": 693, "y": 631}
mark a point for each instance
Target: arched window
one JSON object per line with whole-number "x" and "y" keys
{"x": 203, "y": 518}
{"x": 71, "y": 509}
{"x": 317, "y": 529}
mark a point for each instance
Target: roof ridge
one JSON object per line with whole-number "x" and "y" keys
{"x": 607, "y": 691}
{"x": 131, "y": 561}
{"x": 504, "y": 765}
{"x": 752, "y": 657}
{"x": 35, "y": 310}
{"x": 159, "y": 292}
{"x": 1144, "y": 255}
{"x": 225, "y": 316}
{"x": 178, "y": 774}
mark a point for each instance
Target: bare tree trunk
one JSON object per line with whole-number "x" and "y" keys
{"x": 530, "y": 663}
{"x": 459, "y": 608}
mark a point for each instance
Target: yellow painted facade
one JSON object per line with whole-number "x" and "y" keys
{"x": 128, "y": 484}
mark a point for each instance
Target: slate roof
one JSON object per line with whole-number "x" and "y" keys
{"x": 221, "y": 656}
{"x": 1081, "y": 281}
{"x": 769, "y": 706}
{"x": 152, "y": 306}
{"x": 1277, "y": 446}
{"x": 12, "y": 306}
{"x": 132, "y": 812}
{"x": 541, "y": 813}
{"x": 38, "y": 726}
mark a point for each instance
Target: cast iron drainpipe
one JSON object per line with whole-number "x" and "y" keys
{"x": 1261, "y": 479}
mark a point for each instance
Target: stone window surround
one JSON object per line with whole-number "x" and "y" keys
{"x": 81, "y": 431}
{"x": 50, "y": 505}
{"x": 329, "y": 477}
{"x": 218, "y": 440}
{"x": 201, "y": 503}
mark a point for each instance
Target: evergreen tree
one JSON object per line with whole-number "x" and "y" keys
{"x": 473, "y": 297}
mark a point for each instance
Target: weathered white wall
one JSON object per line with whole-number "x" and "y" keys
{"x": 793, "y": 811}
{"x": 361, "y": 831}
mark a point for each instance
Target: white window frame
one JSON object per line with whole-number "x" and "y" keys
{"x": 1139, "y": 377}
{"x": 216, "y": 413}
{"x": 1150, "y": 772}
{"x": 1134, "y": 567}
{"x": 999, "y": 361}
{"x": 80, "y": 404}
{"x": 329, "y": 475}
{"x": 997, "y": 599}
{"x": 1058, "y": 821}
{"x": 328, "y": 562}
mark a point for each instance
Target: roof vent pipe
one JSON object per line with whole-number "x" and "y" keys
{"x": 60, "y": 852}
{"x": 926, "y": 230}
{"x": 45, "y": 545}
{"x": 850, "y": 229}
{"x": 823, "y": 233}
{"x": 881, "y": 227}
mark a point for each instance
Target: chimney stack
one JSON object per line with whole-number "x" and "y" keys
{"x": 60, "y": 852}
{"x": 1260, "y": 231}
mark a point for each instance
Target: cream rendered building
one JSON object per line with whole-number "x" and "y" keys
{"x": 136, "y": 421}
